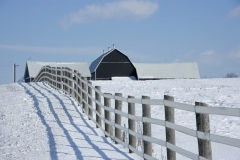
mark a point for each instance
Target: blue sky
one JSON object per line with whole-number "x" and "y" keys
{"x": 148, "y": 31}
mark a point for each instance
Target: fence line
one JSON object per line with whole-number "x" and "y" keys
{"x": 79, "y": 88}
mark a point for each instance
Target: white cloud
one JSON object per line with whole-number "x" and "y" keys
{"x": 235, "y": 12}
{"x": 51, "y": 50}
{"x": 207, "y": 53}
{"x": 123, "y": 8}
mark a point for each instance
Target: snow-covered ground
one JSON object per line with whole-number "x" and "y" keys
{"x": 37, "y": 122}
{"x": 215, "y": 92}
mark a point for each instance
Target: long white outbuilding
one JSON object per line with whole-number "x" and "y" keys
{"x": 33, "y": 68}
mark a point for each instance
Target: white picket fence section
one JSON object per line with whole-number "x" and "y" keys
{"x": 82, "y": 90}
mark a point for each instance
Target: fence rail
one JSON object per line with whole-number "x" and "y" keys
{"x": 82, "y": 90}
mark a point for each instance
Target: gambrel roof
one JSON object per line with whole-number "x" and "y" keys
{"x": 97, "y": 61}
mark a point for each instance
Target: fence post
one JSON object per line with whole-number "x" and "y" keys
{"x": 118, "y": 106}
{"x": 55, "y": 72}
{"x": 90, "y": 114}
{"x": 79, "y": 89}
{"x": 203, "y": 125}
{"x": 98, "y": 108}
{"x": 84, "y": 95}
{"x": 53, "y": 76}
{"x": 50, "y": 76}
{"x": 170, "y": 133}
{"x": 70, "y": 82}
{"x": 107, "y": 103}
{"x": 59, "y": 78}
{"x": 44, "y": 70}
{"x": 131, "y": 125}
{"x": 47, "y": 76}
{"x": 75, "y": 86}
{"x": 147, "y": 131}
{"x": 65, "y": 81}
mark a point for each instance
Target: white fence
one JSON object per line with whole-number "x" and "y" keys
{"x": 79, "y": 88}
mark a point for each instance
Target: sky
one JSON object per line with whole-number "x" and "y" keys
{"x": 147, "y": 31}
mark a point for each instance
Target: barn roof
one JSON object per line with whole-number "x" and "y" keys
{"x": 34, "y": 67}
{"x": 97, "y": 61}
{"x": 170, "y": 70}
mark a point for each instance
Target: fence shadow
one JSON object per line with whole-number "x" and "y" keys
{"x": 86, "y": 137}
{"x": 51, "y": 141}
{"x": 73, "y": 84}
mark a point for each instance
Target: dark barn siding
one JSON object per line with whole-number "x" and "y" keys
{"x": 115, "y": 64}
{"x": 93, "y": 75}
{"x": 108, "y": 70}
{"x": 26, "y": 75}
{"x": 115, "y": 56}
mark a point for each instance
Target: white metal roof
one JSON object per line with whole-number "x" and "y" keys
{"x": 34, "y": 67}
{"x": 170, "y": 70}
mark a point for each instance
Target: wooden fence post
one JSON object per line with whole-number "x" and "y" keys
{"x": 65, "y": 80}
{"x": 131, "y": 125}
{"x": 147, "y": 131}
{"x": 90, "y": 113}
{"x": 118, "y": 106}
{"x": 62, "y": 79}
{"x": 59, "y": 78}
{"x": 75, "y": 86}
{"x": 84, "y": 96}
{"x": 53, "y": 76}
{"x": 170, "y": 133}
{"x": 46, "y": 75}
{"x": 55, "y": 72}
{"x": 98, "y": 108}
{"x": 50, "y": 76}
{"x": 107, "y": 103}
{"x": 79, "y": 89}
{"x": 203, "y": 125}
{"x": 44, "y": 70}
{"x": 70, "y": 82}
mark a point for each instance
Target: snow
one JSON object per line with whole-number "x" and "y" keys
{"x": 215, "y": 92}
{"x": 38, "y": 122}
{"x": 123, "y": 78}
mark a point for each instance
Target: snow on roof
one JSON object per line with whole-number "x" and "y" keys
{"x": 96, "y": 62}
{"x": 34, "y": 67}
{"x": 170, "y": 70}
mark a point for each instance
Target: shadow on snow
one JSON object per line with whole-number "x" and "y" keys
{"x": 52, "y": 144}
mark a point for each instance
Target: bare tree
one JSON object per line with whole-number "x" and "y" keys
{"x": 231, "y": 75}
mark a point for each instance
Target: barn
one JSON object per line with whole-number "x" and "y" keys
{"x": 112, "y": 64}
{"x": 32, "y": 68}
{"x": 116, "y": 64}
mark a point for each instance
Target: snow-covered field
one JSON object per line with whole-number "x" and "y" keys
{"x": 215, "y": 92}
{"x": 37, "y": 122}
